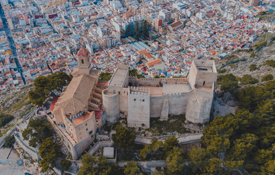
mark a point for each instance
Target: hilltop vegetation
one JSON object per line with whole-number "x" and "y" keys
{"x": 44, "y": 86}
{"x": 41, "y": 133}
{"x": 242, "y": 140}
{"x": 257, "y": 64}
{"x": 4, "y": 119}
{"x": 15, "y": 101}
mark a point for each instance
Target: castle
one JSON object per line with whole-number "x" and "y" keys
{"x": 141, "y": 99}
{"x": 77, "y": 112}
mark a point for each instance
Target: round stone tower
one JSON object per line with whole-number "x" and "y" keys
{"x": 111, "y": 105}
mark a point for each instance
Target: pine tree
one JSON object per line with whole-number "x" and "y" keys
{"x": 145, "y": 33}
{"x": 137, "y": 31}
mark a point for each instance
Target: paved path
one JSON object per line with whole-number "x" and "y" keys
{"x": 6, "y": 170}
{"x": 11, "y": 41}
{"x": 152, "y": 163}
{"x": 182, "y": 139}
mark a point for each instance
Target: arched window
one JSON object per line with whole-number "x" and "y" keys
{"x": 82, "y": 61}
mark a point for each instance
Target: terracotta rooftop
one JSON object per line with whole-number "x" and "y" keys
{"x": 152, "y": 63}
{"x": 83, "y": 52}
{"x": 79, "y": 120}
{"x": 128, "y": 14}
{"x": 175, "y": 24}
{"x": 142, "y": 51}
{"x": 148, "y": 55}
{"x": 76, "y": 96}
{"x": 55, "y": 98}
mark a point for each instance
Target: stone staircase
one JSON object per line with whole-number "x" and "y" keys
{"x": 95, "y": 100}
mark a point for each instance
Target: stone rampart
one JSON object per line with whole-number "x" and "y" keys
{"x": 199, "y": 106}
{"x": 123, "y": 100}
{"x": 111, "y": 105}
{"x": 157, "y": 104}
{"x": 139, "y": 109}
{"x": 156, "y": 82}
{"x": 178, "y": 102}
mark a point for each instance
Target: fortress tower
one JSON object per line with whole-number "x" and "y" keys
{"x": 203, "y": 73}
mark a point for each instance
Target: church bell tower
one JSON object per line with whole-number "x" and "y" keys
{"x": 84, "y": 65}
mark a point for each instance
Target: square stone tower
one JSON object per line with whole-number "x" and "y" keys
{"x": 203, "y": 73}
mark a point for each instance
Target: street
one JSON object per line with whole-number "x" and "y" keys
{"x": 11, "y": 41}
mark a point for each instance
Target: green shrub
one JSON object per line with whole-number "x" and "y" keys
{"x": 9, "y": 141}
{"x": 220, "y": 71}
{"x": 260, "y": 45}
{"x": 252, "y": 67}
{"x": 228, "y": 82}
{"x": 5, "y": 118}
{"x": 248, "y": 79}
{"x": 252, "y": 54}
{"x": 267, "y": 77}
{"x": 270, "y": 63}
{"x": 134, "y": 73}
{"x": 65, "y": 164}
{"x": 105, "y": 76}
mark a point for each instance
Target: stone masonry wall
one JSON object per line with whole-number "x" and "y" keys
{"x": 205, "y": 78}
{"x": 199, "y": 106}
{"x": 177, "y": 103}
{"x": 156, "y": 105}
{"x": 111, "y": 106}
{"x": 123, "y": 100}
{"x": 139, "y": 110}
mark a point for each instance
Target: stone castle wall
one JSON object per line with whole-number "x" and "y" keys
{"x": 110, "y": 105}
{"x": 205, "y": 78}
{"x": 199, "y": 106}
{"x": 139, "y": 109}
{"x": 123, "y": 100}
{"x": 156, "y": 105}
{"x": 81, "y": 147}
{"x": 194, "y": 100}
{"x": 178, "y": 103}
{"x": 155, "y": 82}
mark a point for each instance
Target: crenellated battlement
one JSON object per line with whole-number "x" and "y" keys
{"x": 135, "y": 88}
{"x": 139, "y": 93}
{"x": 139, "y": 90}
{"x": 175, "y": 94}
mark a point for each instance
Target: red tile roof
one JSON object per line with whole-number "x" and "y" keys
{"x": 55, "y": 98}
{"x": 83, "y": 52}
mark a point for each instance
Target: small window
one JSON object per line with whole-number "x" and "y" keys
{"x": 143, "y": 100}
{"x": 82, "y": 61}
{"x": 91, "y": 132}
{"x": 119, "y": 92}
{"x": 203, "y": 83}
{"x": 204, "y": 69}
{"x": 135, "y": 99}
{"x": 86, "y": 129}
{"x": 86, "y": 124}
